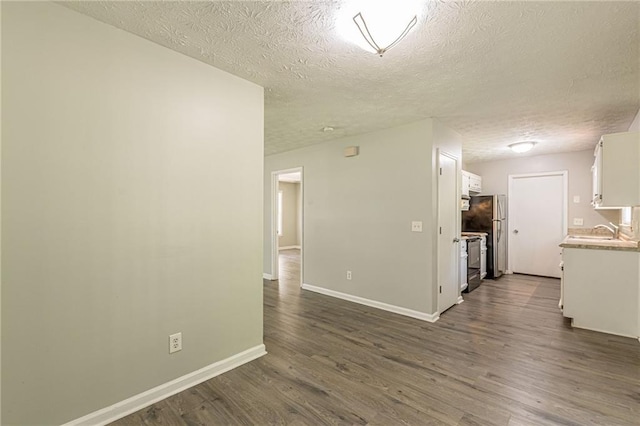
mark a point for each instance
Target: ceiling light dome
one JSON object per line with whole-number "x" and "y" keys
{"x": 377, "y": 25}
{"x": 520, "y": 147}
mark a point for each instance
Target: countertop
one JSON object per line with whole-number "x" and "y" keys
{"x": 595, "y": 242}
{"x": 474, "y": 234}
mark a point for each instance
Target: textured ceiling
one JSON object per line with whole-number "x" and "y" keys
{"x": 560, "y": 73}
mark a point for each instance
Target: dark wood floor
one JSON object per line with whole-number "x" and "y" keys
{"x": 505, "y": 356}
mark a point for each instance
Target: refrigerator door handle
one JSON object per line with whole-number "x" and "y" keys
{"x": 498, "y": 209}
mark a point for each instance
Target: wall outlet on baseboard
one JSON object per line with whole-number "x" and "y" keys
{"x": 348, "y": 275}
{"x": 175, "y": 343}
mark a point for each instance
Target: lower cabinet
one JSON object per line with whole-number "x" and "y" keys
{"x": 483, "y": 258}
{"x": 601, "y": 290}
{"x": 463, "y": 264}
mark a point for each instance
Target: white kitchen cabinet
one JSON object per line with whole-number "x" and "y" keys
{"x": 475, "y": 183}
{"x": 465, "y": 184}
{"x": 463, "y": 264}
{"x": 601, "y": 290}
{"x": 471, "y": 183}
{"x": 616, "y": 171}
{"x": 483, "y": 256}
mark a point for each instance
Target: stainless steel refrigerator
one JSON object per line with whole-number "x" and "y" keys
{"x": 488, "y": 213}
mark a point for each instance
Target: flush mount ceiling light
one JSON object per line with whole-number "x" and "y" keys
{"x": 364, "y": 30}
{"x": 522, "y": 146}
{"x": 379, "y": 24}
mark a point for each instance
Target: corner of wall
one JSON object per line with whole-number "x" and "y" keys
{"x": 635, "y": 214}
{"x": 446, "y": 140}
{"x": 635, "y": 124}
{"x": 0, "y": 222}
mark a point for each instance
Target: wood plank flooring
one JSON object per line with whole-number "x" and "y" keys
{"x": 505, "y": 356}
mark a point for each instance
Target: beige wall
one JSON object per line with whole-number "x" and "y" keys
{"x": 0, "y": 221}
{"x": 358, "y": 213}
{"x": 495, "y": 180}
{"x": 290, "y": 192}
{"x": 299, "y": 214}
{"x": 116, "y": 230}
{"x": 635, "y": 217}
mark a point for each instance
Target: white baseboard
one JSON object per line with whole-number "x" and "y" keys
{"x": 289, "y": 247}
{"x": 144, "y": 399}
{"x": 267, "y": 277}
{"x": 599, "y": 330}
{"x": 374, "y": 304}
{"x": 460, "y": 300}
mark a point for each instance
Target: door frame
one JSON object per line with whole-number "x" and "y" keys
{"x": 439, "y": 253}
{"x": 565, "y": 206}
{"x": 275, "y": 270}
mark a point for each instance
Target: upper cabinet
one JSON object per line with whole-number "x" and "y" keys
{"x": 475, "y": 183}
{"x": 465, "y": 184}
{"x": 616, "y": 171}
{"x": 471, "y": 184}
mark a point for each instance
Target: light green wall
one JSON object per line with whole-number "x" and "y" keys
{"x": 116, "y": 226}
{"x": 358, "y": 213}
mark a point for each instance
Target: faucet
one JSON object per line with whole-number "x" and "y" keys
{"x": 615, "y": 230}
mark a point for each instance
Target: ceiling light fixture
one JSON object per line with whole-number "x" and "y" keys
{"x": 520, "y": 147}
{"x": 379, "y": 24}
{"x": 364, "y": 30}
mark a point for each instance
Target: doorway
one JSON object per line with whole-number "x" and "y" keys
{"x": 537, "y": 222}
{"x": 287, "y": 239}
{"x": 448, "y": 232}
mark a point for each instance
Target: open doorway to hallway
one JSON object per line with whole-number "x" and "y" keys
{"x": 287, "y": 229}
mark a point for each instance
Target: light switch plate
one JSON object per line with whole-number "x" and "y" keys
{"x": 576, "y": 199}
{"x": 416, "y": 226}
{"x": 578, "y": 221}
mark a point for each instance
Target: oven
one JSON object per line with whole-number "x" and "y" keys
{"x": 473, "y": 262}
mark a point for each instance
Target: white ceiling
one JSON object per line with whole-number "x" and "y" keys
{"x": 560, "y": 73}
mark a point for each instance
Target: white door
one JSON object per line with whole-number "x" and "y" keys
{"x": 448, "y": 237}
{"x": 537, "y": 222}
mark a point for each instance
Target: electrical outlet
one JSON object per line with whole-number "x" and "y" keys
{"x": 416, "y": 226}
{"x": 578, "y": 221}
{"x": 175, "y": 343}
{"x": 348, "y": 275}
